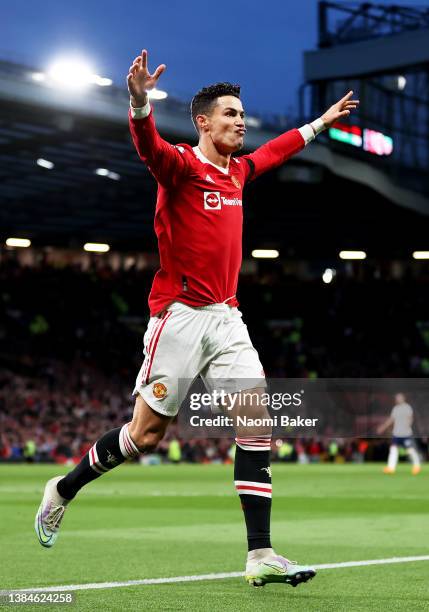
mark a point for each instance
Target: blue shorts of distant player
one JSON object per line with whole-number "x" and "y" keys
{"x": 404, "y": 442}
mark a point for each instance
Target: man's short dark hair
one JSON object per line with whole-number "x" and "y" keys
{"x": 204, "y": 100}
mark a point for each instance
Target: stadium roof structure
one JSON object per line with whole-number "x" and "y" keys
{"x": 318, "y": 203}
{"x": 382, "y": 53}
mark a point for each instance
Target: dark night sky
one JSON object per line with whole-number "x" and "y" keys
{"x": 257, "y": 44}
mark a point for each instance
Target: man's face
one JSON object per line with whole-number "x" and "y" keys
{"x": 225, "y": 124}
{"x": 399, "y": 398}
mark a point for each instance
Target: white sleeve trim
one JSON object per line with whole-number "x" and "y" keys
{"x": 140, "y": 113}
{"x": 318, "y": 125}
{"x": 307, "y": 133}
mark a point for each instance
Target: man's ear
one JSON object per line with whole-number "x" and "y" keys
{"x": 202, "y": 122}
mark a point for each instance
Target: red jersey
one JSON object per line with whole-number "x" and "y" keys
{"x": 199, "y": 214}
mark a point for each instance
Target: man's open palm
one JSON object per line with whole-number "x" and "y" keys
{"x": 139, "y": 79}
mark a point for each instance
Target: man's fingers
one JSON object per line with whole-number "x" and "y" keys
{"x": 345, "y": 113}
{"x": 159, "y": 71}
{"x": 347, "y": 96}
{"x": 144, "y": 59}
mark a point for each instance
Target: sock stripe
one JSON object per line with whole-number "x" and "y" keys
{"x": 261, "y": 443}
{"x": 94, "y": 461}
{"x": 253, "y": 492}
{"x": 249, "y": 487}
{"x": 123, "y": 443}
{"x": 134, "y": 450}
{"x": 127, "y": 446}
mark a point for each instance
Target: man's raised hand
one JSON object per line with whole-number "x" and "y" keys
{"x": 340, "y": 109}
{"x": 140, "y": 81}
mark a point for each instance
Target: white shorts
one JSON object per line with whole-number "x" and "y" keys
{"x": 183, "y": 342}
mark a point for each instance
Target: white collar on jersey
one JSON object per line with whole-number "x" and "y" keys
{"x": 204, "y": 159}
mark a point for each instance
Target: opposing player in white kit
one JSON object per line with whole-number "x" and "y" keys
{"x": 401, "y": 419}
{"x": 195, "y": 327}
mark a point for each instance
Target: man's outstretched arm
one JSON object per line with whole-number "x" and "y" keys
{"x": 277, "y": 151}
{"x": 164, "y": 160}
{"x": 385, "y": 425}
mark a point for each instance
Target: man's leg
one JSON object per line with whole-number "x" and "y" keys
{"x": 414, "y": 456}
{"x": 142, "y": 435}
{"x": 392, "y": 459}
{"x": 252, "y": 478}
{"x": 252, "y": 472}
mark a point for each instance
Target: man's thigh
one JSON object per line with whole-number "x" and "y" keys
{"x": 172, "y": 355}
{"x": 235, "y": 365}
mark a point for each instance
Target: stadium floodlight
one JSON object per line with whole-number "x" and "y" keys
{"x": 253, "y": 121}
{"x": 101, "y": 81}
{"x": 71, "y": 73}
{"x": 421, "y": 255}
{"x": 96, "y": 247}
{"x": 328, "y": 275}
{"x": 45, "y": 163}
{"x": 108, "y": 173}
{"x": 157, "y": 94}
{"x": 265, "y": 253}
{"x": 352, "y": 255}
{"x": 38, "y": 76}
{"x": 402, "y": 82}
{"x": 23, "y": 243}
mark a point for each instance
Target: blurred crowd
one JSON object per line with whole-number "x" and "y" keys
{"x": 71, "y": 346}
{"x": 57, "y": 416}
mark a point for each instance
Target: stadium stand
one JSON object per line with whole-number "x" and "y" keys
{"x": 71, "y": 347}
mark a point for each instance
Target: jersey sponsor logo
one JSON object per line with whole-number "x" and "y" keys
{"x": 231, "y": 201}
{"x": 236, "y": 182}
{"x": 212, "y": 200}
{"x": 209, "y": 178}
{"x": 159, "y": 390}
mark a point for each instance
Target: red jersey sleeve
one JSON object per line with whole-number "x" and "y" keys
{"x": 167, "y": 163}
{"x": 273, "y": 153}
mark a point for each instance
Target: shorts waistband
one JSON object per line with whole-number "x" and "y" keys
{"x": 221, "y": 307}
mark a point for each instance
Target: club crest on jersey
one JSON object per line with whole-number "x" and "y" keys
{"x": 212, "y": 200}
{"x": 236, "y": 182}
{"x": 159, "y": 390}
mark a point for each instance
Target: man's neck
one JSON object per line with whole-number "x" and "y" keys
{"x": 209, "y": 150}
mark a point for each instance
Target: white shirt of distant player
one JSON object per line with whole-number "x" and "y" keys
{"x": 402, "y": 418}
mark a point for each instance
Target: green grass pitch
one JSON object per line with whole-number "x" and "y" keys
{"x": 177, "y": 520}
